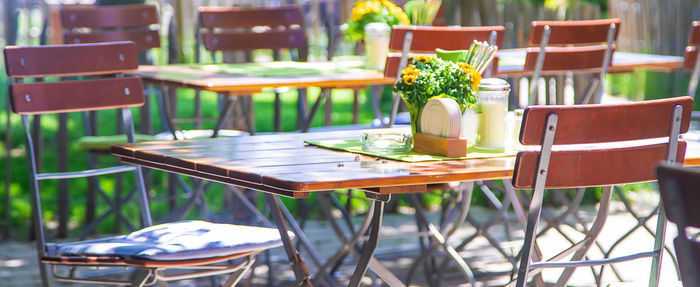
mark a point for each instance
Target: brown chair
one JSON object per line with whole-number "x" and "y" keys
{"x": 424, "y": 39}
{"x": 679, "y": 195}
{"x": 560, "y": 47}
{"x": 611, "y": 156}
{"x": 96, "y": 24}
{"x": 228, "y": 29}
{"x": 150, "y": 254}
{"x": 692, "y": 61}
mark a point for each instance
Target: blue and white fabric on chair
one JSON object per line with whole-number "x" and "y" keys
{"x": 182, "y": 240}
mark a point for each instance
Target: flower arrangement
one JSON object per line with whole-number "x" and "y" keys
{"x": 371, "y": 11}
{"x": 428, "y": 77}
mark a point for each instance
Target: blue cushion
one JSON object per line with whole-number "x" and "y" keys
{"x": 178, "y": 241}
{"x": 401, "y": 119}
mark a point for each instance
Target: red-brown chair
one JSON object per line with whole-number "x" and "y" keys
{"x": 611, "y": 155}
{"x": 229, "y": 29}
{"x": 560, "y": 47}
{"x": 425, "y": 39}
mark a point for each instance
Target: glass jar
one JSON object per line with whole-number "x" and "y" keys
{"x": 492, "y": 105}
{"x": 515, "y": 120}
{"x": 377, "y": 45}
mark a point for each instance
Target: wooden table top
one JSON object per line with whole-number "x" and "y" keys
{"x": 512, "y": 61}
{"x": 283, "y": 164}
{"x": 212, "y": 80}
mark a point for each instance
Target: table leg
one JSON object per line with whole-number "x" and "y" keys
{"x": 371, "y": 245}
{"x": 308, "y": 120}
{"x": 278, "y": 207}
{"x": 298, "y": 265}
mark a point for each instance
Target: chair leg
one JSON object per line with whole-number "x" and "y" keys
{"x": 278, "y": 113}
{"x": 659, "y": 238}
{"x": 238, "y": 274}
{"x": 533, "y": 218}
{"x": 591, "y": 236}
{"x": 140, "y": 276}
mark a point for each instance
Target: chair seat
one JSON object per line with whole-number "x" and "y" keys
{"x": 182, "y": 240}
{"x": 195, "y": 134}
{"x": 104, "y": 142}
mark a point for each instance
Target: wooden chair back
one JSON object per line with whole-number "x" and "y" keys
{"x": 73, "y": 60}
{"x": 579, "y": 45}
{"x": 571, "y": 46}
{"x": 614, "y": 162}
{"x": 111, "y": 24}
{"x": 679, "y": 195}
{"x": 426, "y": 39}
{"x": 231, "y": 29}
{"x": 565, "y": 33}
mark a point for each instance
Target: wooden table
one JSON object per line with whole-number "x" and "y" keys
{"x": 282, "y": 164}
{"x": 512, "y": 61}
{"x": 189, "y": 76}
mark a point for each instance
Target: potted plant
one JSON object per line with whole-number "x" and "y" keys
{"x": 428, "y": 77}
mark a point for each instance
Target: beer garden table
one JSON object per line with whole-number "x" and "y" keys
{"x": 249, "y": 78}
{"x": 283, "y": 164}
{"x": 511, "y": 62}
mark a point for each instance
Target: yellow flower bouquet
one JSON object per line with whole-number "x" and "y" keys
{"x": 373, "y": 11}
{"x": 428, "y": 77}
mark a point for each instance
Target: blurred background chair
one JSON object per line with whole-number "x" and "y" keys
{"x": 406, "y": 40}
{"x": 149, "y": 254}
{"x": 230, "y": 29}
{"x": 679, "y": 194}
{"x": 566, "y": 47}
{"x": 617, "y": 162}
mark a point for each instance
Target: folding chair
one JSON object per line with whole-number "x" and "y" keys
{"x": 595, "y": 145}
{"x": 425, "y": 39}
{"x": 679, "y": 193}
{"x": 229, "y": 29}
{"x": 563, "y": 47}
{"x": 190, "y": 248}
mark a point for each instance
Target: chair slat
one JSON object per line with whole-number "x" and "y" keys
{"x": 231, "y": 41}
{"x": 225, "y": 17}
{"x": 70, "y": 60}
{"x": 564, "y": 59}
{"x": 73, "y": 96}
{"x": 108, "y": 16}
{"x": 573, "y": 32}
{"x": 694, "y": 39}
{"x": 594, "y": 167}
{"x": 691, "y": 54}
{"x": 605, "y": 123}
{"x": 144, "y": 39}
{"x": 688, "y": 189}
{"x": 426, "y": 39}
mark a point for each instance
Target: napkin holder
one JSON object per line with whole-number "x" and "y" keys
{"x": 447, "y": 147}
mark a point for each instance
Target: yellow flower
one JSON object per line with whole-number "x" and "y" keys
{"x": 424, "y": 59}
{"x": 362, "y": 8}
{"x": 473, "y": 74}
{"x": 410, "y": 74}
{"x": 397, "y": 11}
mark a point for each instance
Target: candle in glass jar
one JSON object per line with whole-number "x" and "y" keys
{"x": 492, "y": 104}
{"x": 377, "y": 45}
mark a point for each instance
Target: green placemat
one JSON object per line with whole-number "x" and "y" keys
{"x": 356, "y": 147}
{"x": 276, "y": 69}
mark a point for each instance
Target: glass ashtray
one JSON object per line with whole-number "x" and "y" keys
{"x": 389, "y": 143}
